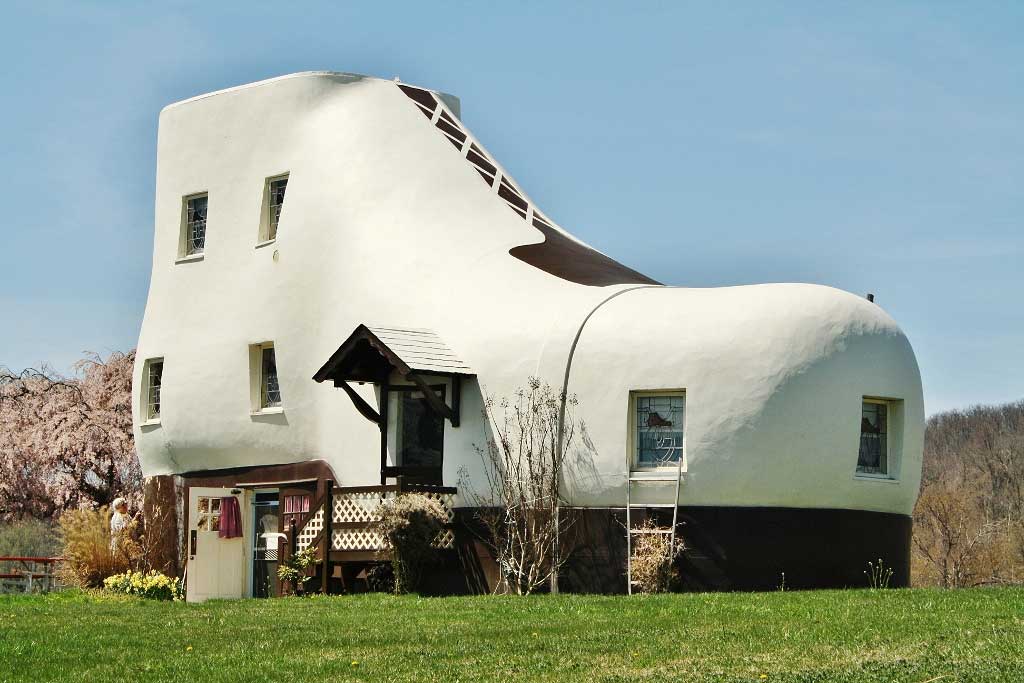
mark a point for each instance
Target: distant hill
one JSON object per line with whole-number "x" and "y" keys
{"x": 969, "y": 519}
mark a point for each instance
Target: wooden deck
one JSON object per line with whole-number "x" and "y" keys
{"x": 351, "y": 533}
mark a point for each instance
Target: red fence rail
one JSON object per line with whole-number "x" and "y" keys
{"x": 29, "y": 573}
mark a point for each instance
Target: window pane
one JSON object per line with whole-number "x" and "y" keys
{"x": 156, "y": 369}
{"x": 270, "y": 389}
{"x": 275, "y": 202}
{"x": 296, "y": 504}
{"x": 420, "y": 432}
{"x": 873, "y": 455}
{"x": 659, "y": 430}
{"x": 195, "y": 233}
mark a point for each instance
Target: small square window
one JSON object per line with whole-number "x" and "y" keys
{"x": 196, "y": 209}
{"x": 273, "y": 202}
{"x": 658, "y": 429}
{"x": 873, "y": 457}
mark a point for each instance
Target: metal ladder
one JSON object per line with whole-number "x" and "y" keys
{"x": 631, "y": 479}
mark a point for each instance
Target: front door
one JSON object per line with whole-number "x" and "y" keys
{"x": 266, "y": 539}
{"x": 419, "y": 435}
{"x": 216, "y": 565}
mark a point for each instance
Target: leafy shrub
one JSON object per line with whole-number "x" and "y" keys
{"x": 293, "y": 570}
{"x": 28, "y": 537}
{"x": 654, "y": 561}
{"x": 410, "y": 523}
{"x": 154, "y": 585}
{"x": 381, "y": 578}
{"x": 89, "y": 555}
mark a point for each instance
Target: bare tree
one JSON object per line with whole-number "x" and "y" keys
{"x": 969, "y": 518}
{"x": 523, "y": 464}
{"x": 952, "y": 538}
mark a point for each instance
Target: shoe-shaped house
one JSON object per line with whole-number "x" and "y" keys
{"x": 341, "y": 272}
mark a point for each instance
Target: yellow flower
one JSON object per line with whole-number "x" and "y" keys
{"x": 188, "y": 649}
{"x": 355, "y": 663}
{"x": 763, "y": 676}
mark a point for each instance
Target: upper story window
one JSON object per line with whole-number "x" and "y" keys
{"x": 273, "y": 201}
{"x": 193, "y": 225}
{"x": 152, "y": 378}
{"x": 874, "y": 457}
{"x": 264, "y": 388}
{"x": 658, "y": 428}
{"x": 269, "y": 388}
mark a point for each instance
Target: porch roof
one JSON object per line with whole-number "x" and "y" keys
{"x": 370, "y": 354}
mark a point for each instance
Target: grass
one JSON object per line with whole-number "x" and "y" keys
{"x": 862, "y": 635}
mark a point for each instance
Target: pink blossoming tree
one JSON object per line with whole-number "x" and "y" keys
{"x": 66, "y": 442}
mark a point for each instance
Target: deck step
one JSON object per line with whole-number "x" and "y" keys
{"x": 641, "y": 506}
{"x": 650, "y": 531}
{"x": 669, "y": 479}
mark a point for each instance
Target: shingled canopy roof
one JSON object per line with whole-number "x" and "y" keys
{"x": 371, "y": 354}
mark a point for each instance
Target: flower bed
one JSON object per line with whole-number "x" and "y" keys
{"x": 153, "y": 585}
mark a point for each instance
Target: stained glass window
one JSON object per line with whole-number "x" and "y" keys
{"x": 195, "y": 224}
{"x": 271, "y": 391}
{"x": 659, "y": 429}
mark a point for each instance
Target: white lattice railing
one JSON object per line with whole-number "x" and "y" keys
{"x": 356, "y": 511}
{"x": 311, "y": 529}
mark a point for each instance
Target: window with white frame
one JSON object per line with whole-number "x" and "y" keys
{"x": 152, "y": 379}
{"x": 658, "y": 432}
{"x": 873, "y": 457}
{"x": 265, "y": 391}
{"x": 193, "y": 225}
{"x": 273, "y": 201}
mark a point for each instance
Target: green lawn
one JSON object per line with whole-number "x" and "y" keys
{"x": 900, "y": 635}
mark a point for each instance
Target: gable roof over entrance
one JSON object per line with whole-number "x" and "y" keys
{"x": 370, "y": 354}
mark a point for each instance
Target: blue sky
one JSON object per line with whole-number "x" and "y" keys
{"x": 868, "y": 146}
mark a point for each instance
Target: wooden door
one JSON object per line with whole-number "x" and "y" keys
{"x": 216, "y": 566}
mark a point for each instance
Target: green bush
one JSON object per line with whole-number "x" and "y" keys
{"x": 292, "y": 571}
{"x": 410, "y": 523}
{"x": 154, "y": 585}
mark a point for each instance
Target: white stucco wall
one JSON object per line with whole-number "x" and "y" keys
{"x": 385, "y": 223}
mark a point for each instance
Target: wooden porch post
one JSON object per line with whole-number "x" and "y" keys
{"x": 328, "y": 535}
{"x": 292, "y": 545}
{"x": 383, "y": 430}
